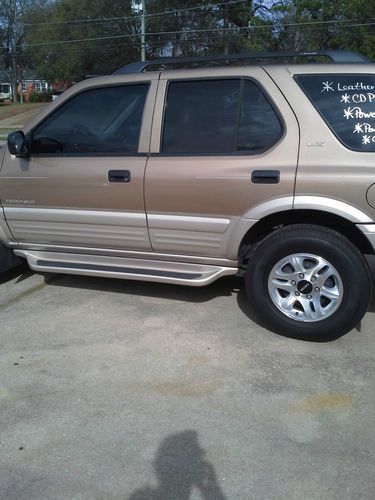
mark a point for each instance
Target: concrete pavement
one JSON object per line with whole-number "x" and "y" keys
{"x": 118, "y": 389}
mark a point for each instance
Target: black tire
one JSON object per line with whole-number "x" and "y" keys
{"x": 351, "y": 266}
{"x": 7, "y": 259}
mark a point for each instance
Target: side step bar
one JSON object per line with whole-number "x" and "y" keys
{"x": 125, "y": 268}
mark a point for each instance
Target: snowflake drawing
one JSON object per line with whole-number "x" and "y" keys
{"x": 327, "y": 86}
{"x": 348, "y": 113}
{"x": 358, "y": 129}
{"x": 366, "y": 139}
{"x": 345, "y": 98}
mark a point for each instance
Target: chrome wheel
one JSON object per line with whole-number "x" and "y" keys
{"x": 305, "y": 287}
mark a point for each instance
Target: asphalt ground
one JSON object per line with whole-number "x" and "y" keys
{"x": 114, "y": 389}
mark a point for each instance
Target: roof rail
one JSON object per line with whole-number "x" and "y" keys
{"x": 336, "y": 56}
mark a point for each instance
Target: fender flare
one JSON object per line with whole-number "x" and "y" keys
{"x": 286, "y": 203}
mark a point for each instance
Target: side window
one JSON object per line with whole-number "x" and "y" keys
{"x": 101, "y": 120}
{"x": 260, "y": 127}
{"x": 218, "y": 116}
{"x": 200, "y": 116}
{"x": 346, "y": 102}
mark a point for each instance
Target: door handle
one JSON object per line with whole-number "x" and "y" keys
{"x": 265, "y": 176}
{"x": 119, "y": 176}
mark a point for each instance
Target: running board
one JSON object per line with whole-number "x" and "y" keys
{"x": 125, "y": 268}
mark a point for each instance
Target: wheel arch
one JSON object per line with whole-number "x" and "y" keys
{"x": 272, "y": 222}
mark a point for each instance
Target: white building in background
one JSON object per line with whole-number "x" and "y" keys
{"x": 30, "y": 83}
{"x": 38, "y": 86}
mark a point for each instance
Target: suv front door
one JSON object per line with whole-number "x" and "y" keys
{"x": 220, "y": 147}
{"x": 82, "y": 185}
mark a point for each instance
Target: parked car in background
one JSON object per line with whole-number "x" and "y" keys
{"x": 6, "y": 92}
{"x": 56, "y": 94}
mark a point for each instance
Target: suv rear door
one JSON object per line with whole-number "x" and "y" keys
{"x": 224, "y": 141}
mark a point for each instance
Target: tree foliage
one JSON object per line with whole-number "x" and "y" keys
{"x": 326, "y": 24}
{"x": 201, "y": 27}
{"x": 53, "y": 45}
{"x": 69, "y": 39}
{"x": 13, "y": 32}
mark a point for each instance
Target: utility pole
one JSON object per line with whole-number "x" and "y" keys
{"x": 143, "y": 30}
{"x": 20, "y": 84}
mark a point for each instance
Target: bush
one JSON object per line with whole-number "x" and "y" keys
{"x": 34, "y": 97}
{"x": 42, "y": 97}
{"x": 45, "y": 97}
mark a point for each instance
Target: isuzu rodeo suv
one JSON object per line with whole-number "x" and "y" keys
{"x": 186, "y": 175}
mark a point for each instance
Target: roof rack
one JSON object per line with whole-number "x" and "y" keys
{"x": 336, "y": 56}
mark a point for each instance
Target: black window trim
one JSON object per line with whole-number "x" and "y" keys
{"x": 347, "y": 73}
{"x": 242, "y": 78}
{"x": 29, "y": 135}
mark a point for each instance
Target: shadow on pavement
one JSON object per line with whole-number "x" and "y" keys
{"x": 180, "y": 467}
{"x": 227, "y": 286}
{"x": 22, "y": 272}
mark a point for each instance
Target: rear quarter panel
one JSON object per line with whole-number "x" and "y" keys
{"x": 326, "y": 168}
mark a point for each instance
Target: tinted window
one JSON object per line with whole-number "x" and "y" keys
{"x": 102, "y": 120}
{"x": 218, "y": 116}
{"x": 260, "y": 128}
{"x": 200, "y": 116}
{"x": 347, "y": 104}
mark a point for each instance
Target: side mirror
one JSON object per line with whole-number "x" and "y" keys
{"x": 17, "y": 144}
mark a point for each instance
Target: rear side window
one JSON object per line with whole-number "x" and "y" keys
{"x": 218, "y": 117}
{"x": 347, "y": 104}
{"x": 104, "y": 120}
{"x": 259, "y": 125}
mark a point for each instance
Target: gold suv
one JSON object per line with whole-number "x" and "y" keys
{"x": 186, "y": 175}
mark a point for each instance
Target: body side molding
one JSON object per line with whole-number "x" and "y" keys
{"x": 6, "y": 236}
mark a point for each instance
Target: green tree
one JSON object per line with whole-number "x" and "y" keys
{"x": 357, "y": 33}
{"x": 68, "y": 39}
{"x": 203, "y": 27}
{"x": 13, "y": 31}
{"x": 325, "y": 24}
{"x": 74, "y": 38}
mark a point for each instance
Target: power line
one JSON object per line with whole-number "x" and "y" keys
{"x": 188, "y": 32}
{"x": 182, "y": 44}
{"x": 335, "y": 24}
{"x": 156, "y": 44}
{"x": 109, "y": 23}
{"x": 137, "y": 17}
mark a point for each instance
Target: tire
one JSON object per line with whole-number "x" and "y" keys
{"x": 308, "y": 282}
{"x": 7, "y": 259}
